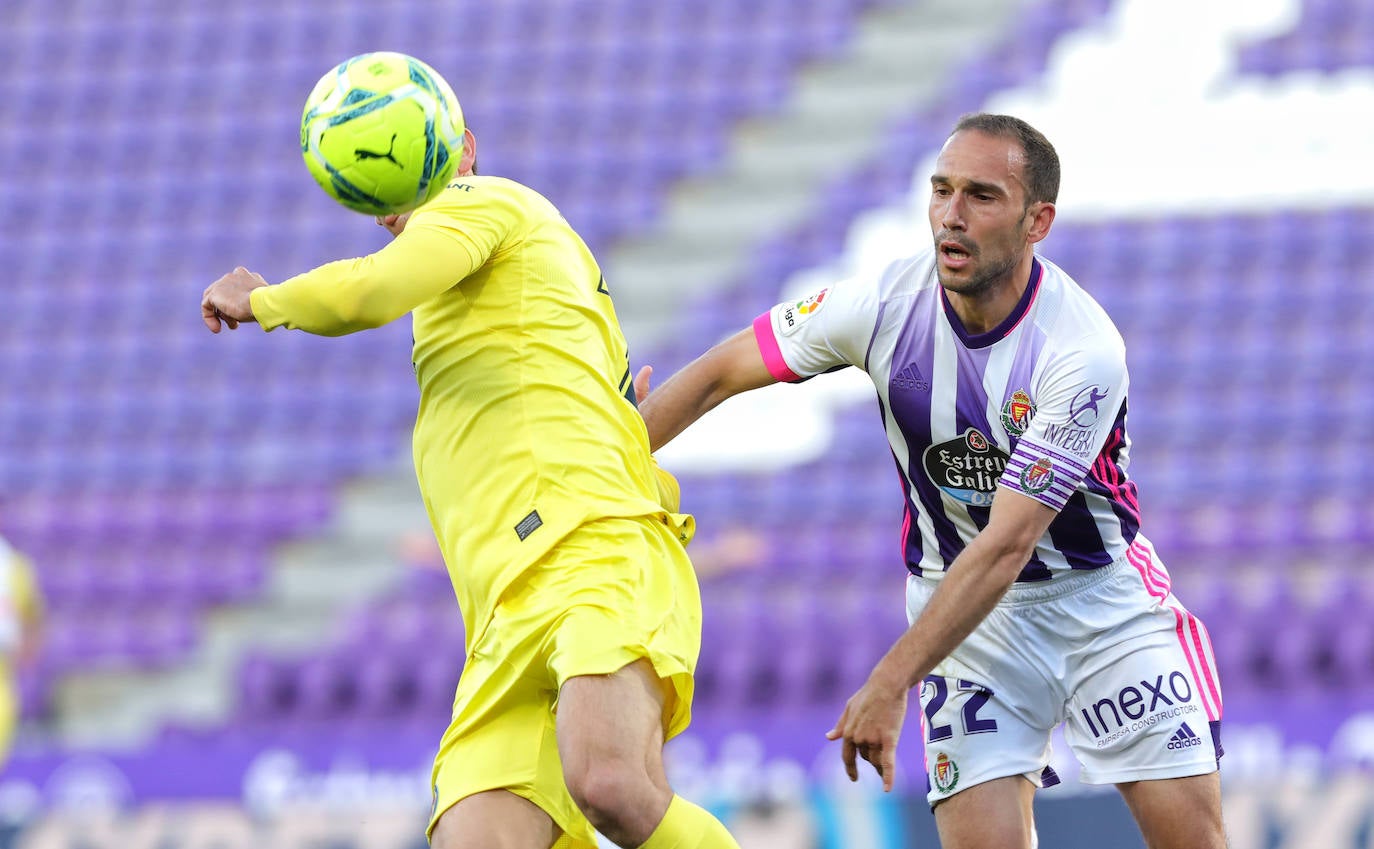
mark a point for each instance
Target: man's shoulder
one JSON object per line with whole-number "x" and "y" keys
{"x": 496, "y": 198}
{"x": 1073, "y": 313}
{"x": 904, "y": 275}
{"x": 479, "y": 186}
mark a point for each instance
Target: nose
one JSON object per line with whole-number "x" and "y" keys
{"x": 952, "y": 212}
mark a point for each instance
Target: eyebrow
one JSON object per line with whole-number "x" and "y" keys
{"x": 974, "y": 186}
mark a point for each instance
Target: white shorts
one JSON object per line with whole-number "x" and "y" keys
{"x": 1110, "y": 652}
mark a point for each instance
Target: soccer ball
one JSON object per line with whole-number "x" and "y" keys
{"x": 382, "y": 133}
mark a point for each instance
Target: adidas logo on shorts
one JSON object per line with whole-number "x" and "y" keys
{"x": 1184, "y": 738}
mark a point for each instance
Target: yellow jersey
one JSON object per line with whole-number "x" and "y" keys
{"x": 21, "y": 602}
{"x": 527, "y": 426}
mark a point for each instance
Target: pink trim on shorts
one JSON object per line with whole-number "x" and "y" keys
{"x": 768, "y": 347}
{"x": 1198, "y": 650}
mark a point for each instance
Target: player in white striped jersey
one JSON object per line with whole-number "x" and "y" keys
{"x": 1032, "y": 595}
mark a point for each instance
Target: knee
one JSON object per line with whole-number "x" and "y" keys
{"x": 609, "y": 794}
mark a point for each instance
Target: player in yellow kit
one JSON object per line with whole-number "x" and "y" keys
{"x": 21, "y": 618}
{"x": 560, "y": 534}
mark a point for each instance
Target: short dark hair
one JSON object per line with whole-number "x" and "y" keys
{"x": 1042, "y": 163}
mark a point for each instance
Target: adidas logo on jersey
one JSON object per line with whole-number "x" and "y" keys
{"x": 1184, "y": 738}
{"x": 910, "y": 378}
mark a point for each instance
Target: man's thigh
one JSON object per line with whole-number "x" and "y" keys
{"x": 1178, "y": 813}
{"x": 494, "y": 819}
{"x": 994, "y": 815}
{"x": 502, "y": 736}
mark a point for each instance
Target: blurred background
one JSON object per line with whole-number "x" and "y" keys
{"x": 249, "y": 639}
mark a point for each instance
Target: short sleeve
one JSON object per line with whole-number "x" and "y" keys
{"x": 827, "y": 330}
{"x": 1079, "y": 402}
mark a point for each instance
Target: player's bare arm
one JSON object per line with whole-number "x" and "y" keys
{"x": 227, "y": 301}
{"x": 732, "y": 367}
{"x": 871, "y": 722}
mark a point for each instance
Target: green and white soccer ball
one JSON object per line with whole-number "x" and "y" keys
{"x": 382, "y": 133}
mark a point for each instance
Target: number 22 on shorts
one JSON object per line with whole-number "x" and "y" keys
{"x": 935, "y": 692}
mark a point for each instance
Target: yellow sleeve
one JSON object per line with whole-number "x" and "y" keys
{"x": 28, "y": 600}
{"x": 449, "y": 239}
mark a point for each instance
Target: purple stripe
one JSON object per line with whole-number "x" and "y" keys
{"x": 1061, "y": 491}
{"x": 1012, "y": 477}
{"x": 1074, "y": 532}
{"x": 877, "y": 322}
{"x": 971, "y": 408}
{"x": 1029, "y": 449}
{"x": 910, "y": 409}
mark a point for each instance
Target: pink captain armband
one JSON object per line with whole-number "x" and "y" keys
{"x": 768, "y": 347}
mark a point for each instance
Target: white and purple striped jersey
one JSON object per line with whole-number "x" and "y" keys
{"x": 1037, "y": 405}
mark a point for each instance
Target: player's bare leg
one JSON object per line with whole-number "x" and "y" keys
{"x": 610, "y": 738}
{"x": 1178, "y": 813}
{"x": 996, "y": 814}
{"x": 496, "y": 819}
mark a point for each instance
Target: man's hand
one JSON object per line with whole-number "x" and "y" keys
{"x": 227, "y": 301}
{"x": 870, "y": 726}
{"x": 641, "y": 383}
{"x": 394, "y": 223}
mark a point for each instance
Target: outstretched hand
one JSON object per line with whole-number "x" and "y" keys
{"x": 870, "y": 727}
{"x": 228, "y": 301}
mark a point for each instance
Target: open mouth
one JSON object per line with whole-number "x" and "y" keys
{"x": 954, "y": 254}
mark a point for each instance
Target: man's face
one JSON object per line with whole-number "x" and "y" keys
{"x": 978, "y": 211}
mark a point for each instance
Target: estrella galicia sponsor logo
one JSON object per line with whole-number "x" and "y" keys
{"x": 1017, "y": 412}
{"x": 1037, "y": 477}
{"x": 966, "y": 468}
{"x": 1184, "y": 738}
{"x": 1138, "y": 707}
{"x": 945, "y": 774}
{"x": 1083, "y": 409}
{"x": 795, "y": 315}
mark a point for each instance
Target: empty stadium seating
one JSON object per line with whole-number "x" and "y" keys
{"x": 130, "y": 440}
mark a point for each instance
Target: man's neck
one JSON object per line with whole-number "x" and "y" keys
{"x": 983, "y": 311}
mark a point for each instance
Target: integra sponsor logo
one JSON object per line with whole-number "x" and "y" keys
{"x": 1075, "y": 440}
{"x": 1135, "y": 708}
{"x": 967, "y": 468}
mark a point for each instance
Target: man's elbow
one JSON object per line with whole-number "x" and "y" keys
{"x": 1013, "y": 551}
{"x": 363, "y": 314}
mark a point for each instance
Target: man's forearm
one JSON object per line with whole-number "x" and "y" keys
{"x": 732, "y": 367}
{"x": 976, "y": 581}
{"x": 674, "y": 406}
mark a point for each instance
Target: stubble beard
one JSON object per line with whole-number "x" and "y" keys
{"x": 983, "y": 281}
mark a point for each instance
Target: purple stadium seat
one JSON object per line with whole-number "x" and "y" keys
{"x": 127, "y": 448}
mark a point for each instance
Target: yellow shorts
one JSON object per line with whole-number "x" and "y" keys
{"x": 612, "y": 592}
{"x": 9, "y": 711}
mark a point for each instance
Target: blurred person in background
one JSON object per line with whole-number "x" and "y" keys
{"x": 560, "y": 533}
{"x": 1033, "y": 598}
{"x": 21, "y": 623}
